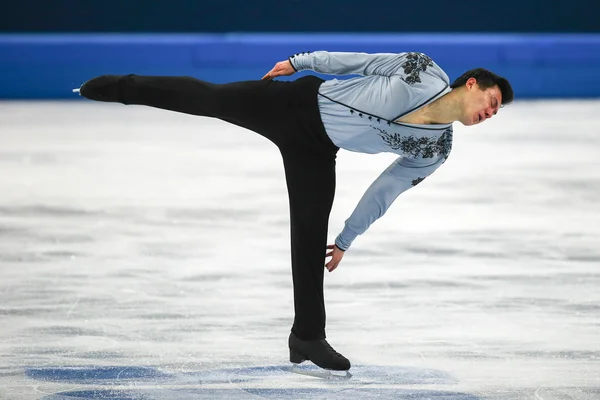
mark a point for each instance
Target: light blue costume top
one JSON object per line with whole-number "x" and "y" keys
{"x": 360, "y": 114}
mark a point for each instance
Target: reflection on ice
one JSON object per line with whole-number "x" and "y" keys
{"x": 269, "y": 382}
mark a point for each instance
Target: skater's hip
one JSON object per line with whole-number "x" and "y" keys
{"x": 306, "y": 116}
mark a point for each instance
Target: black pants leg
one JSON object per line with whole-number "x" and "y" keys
{"x": 287, "y": 114}
{"x": 311, "y": 189}
{"x": 274, "y": 109}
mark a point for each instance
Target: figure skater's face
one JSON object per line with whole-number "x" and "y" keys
{"x": 480, "y": 105}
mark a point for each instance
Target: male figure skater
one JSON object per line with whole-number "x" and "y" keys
{"x": 400, "y": 103}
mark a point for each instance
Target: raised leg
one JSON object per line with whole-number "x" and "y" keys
{"x": 260, "y": 106}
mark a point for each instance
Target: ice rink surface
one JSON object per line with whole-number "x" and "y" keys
{"x": 144, "y": 255}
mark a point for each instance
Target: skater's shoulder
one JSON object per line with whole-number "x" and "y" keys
{"x": 418, "y": 66}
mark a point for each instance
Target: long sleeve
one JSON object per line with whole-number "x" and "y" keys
{"x": 338, "y": 63}
{"x": 400, "y": 176}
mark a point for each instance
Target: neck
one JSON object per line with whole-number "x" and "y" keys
{"x": 444, "y": 110}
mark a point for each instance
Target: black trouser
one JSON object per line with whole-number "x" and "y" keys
{"x": 287, "y": 114}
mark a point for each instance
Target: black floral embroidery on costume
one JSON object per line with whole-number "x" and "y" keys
{"x": 415, "y": 64}
{"x": 444, "y": 143}
{"x": 425, "y": 147}
{"x": 415, "y": 182}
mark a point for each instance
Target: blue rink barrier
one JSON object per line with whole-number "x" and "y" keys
{"x": 50, "y": 66}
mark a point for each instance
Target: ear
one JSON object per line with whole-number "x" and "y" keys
{"x": 471, "y": 82}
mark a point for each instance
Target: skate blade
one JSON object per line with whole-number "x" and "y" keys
{"x": 76, "y": 90}
{"x": 321, "y": 373}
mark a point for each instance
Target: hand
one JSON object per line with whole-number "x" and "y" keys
{"x": 282, "y": 68}
{"x": 336, "y": 255}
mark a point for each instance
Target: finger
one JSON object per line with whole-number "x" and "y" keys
{"x": 332, "y": 268}
{"x": 329, "y": 254}
{"x": 270, "y": 74}
{"x": 330, "y": 246}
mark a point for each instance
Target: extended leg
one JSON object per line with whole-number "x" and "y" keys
{"x": 261, "y": 106}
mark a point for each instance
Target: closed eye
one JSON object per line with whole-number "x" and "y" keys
{"x": 495, "y": 105}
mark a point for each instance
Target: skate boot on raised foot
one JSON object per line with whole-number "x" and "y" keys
{"x": 319, "y": 352}
{"x": 102, "y": 88}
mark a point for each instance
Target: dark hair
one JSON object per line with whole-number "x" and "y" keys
{"x": 486, "y": 79}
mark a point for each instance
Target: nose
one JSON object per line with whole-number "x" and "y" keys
{"x": 489, "y": 113}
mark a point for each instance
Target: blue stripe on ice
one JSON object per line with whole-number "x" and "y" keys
{"x": 267, "y": 382}
{"x": 114, "y": 375}
{"x": 250, "y": 394}
{"x": 94, "y": 375}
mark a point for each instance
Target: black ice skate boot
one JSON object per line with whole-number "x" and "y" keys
{"x": 102, "y": 88}
{"x": 319, "y": 352}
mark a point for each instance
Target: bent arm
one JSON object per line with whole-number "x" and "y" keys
{"x": 338, "y": 63}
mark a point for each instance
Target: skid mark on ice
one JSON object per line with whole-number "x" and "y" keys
{"x": 73, "y": 306}
{"x": 537, "y": 395}
{"x": 553, "y": 394}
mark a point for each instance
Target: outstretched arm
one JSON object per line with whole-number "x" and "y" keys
{"x": 400, "y": 176}
{"x": 340, "y": 63}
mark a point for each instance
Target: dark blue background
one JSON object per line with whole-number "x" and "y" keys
{"x": 547, "y": 49}
{"x": 300, "y": 16}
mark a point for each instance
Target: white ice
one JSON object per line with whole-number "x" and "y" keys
{"x": 145, "y": 254}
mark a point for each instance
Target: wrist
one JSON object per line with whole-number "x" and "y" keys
{"x": 301, "y": 61}
{"x": 337, "y": 246}
{"x": 292, "y": 64}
